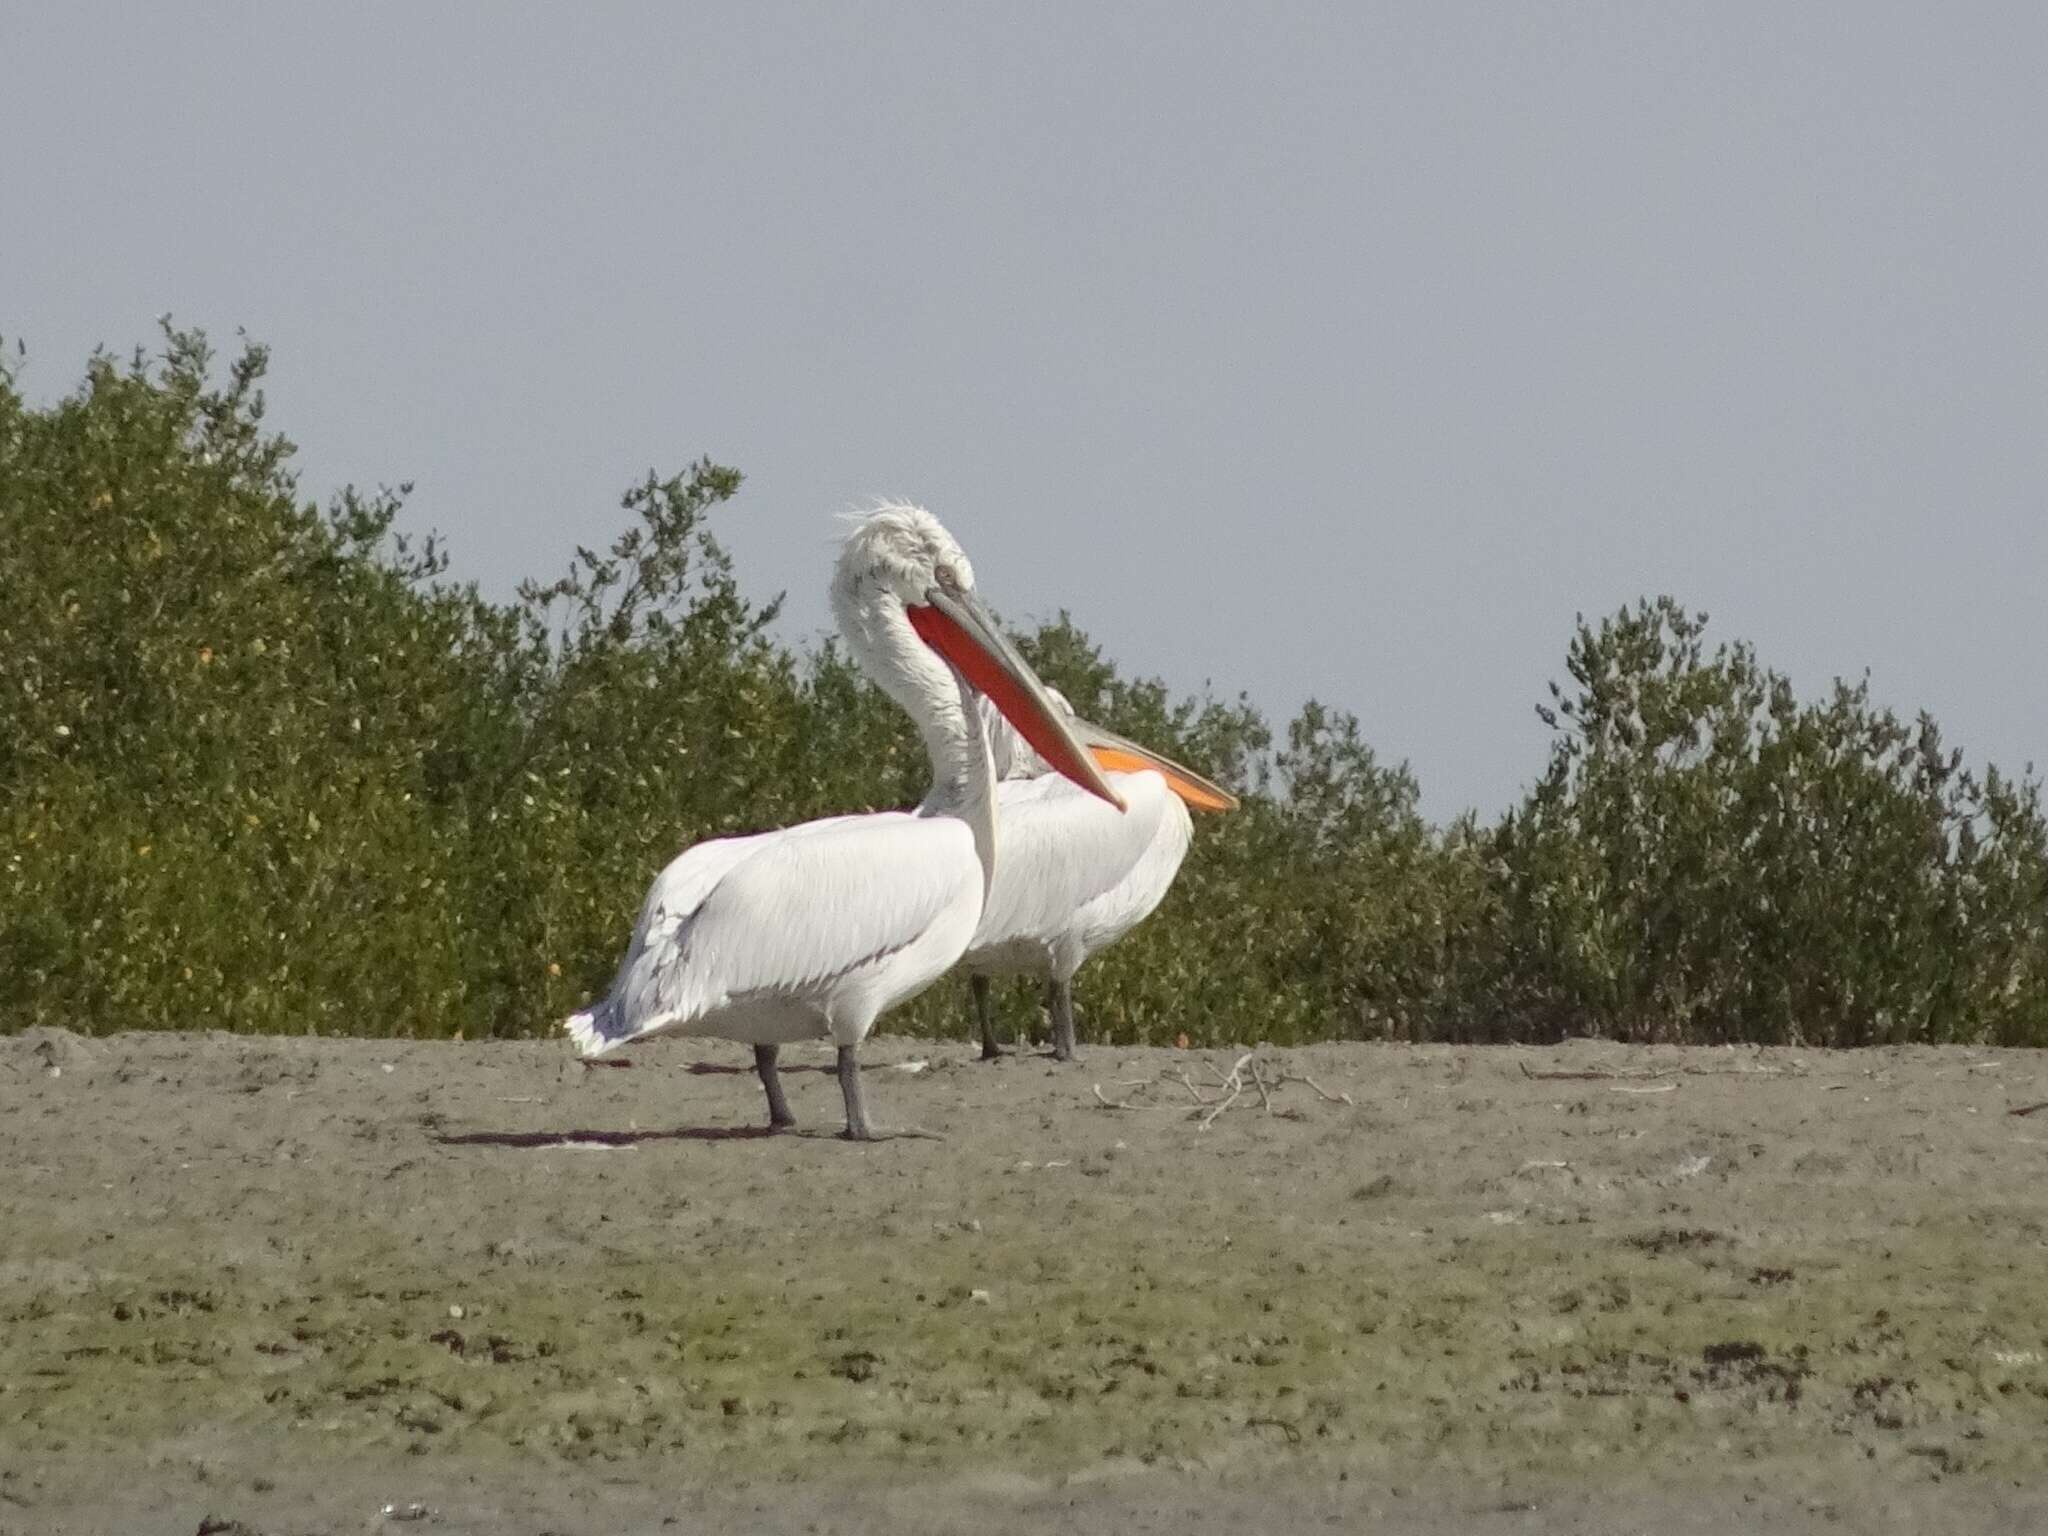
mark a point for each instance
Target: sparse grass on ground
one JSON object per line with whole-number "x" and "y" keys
{"x": 226, "y": 1253}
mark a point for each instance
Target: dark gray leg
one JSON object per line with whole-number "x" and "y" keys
{"x": 779, "y": 1117}
{"x": 983, "y": 1011}
{"x": 1059, "y": 1000}
{"x": 857, "y": 1127}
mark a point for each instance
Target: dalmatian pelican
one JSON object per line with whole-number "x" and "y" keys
{"x": 1075, "y": 876}
{"x": 814, "y": 931}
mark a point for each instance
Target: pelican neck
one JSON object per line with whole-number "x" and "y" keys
{"x": 963, "y": 774}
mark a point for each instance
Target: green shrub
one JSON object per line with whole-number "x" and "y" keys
{"x": 262, "y": 767}
{"x": 1707, "y": 859}
{"x": 222, "y": 722}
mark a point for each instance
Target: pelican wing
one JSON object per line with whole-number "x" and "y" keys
{"x": 783, "y": 914}
{"x": 1058, "y": 851}
{"x": 1131, "y": 900}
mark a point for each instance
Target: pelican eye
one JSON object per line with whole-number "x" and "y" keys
{"x": 948, "y": 578}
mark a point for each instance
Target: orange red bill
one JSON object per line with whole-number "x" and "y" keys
{"x": 954, "y": 624}
{"x": 1119, "y": 754}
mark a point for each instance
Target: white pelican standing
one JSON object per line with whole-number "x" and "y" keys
{"x": 814, "y": 931}
{"x": 1075, "y": 876}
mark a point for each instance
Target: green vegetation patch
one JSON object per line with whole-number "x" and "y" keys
{"x": 1520, "y": 1354}
{"x": 263, "y": 767}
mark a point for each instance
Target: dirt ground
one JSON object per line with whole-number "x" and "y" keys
{"x": 299, "y": 1286}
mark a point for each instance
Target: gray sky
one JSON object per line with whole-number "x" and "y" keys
{"x": 1334, "y": 350}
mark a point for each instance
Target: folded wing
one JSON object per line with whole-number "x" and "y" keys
{"x": 786, "y": 915}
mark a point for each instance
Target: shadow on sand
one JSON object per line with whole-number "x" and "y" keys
{"x": 544, "y": 1139}
{"x": 721, "y": 1069}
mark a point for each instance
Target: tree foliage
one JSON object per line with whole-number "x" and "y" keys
{"x": 264, "y": 767}
{"x": 1708, "y": 858}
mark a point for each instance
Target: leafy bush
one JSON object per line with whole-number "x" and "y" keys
{"x": 223, "y": 722}
{"x": 263, "y": 767}
{"x": 1708, "y": 859}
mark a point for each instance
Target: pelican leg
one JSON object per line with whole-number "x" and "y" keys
{"x": 1059, "y": 1001}
{"x": 779, "y": 1117}
{"x": 985, "y": 1012}
{"x": 857, "y": 1127}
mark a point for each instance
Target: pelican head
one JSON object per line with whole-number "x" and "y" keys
{"x": 903, "y": 593}
{"x": 900, "y": 549}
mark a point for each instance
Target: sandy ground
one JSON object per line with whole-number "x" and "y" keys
{"x": 282, "y": 1285}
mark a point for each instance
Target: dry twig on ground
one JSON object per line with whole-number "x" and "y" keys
{"x": 1247, "y": 1075}
{"x": 1322, "y": 1092}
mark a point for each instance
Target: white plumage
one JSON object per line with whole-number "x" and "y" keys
{"x": 814, "y": 931}
{"x": 729, "y": 938}
{"x": 1070, "y": 881}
